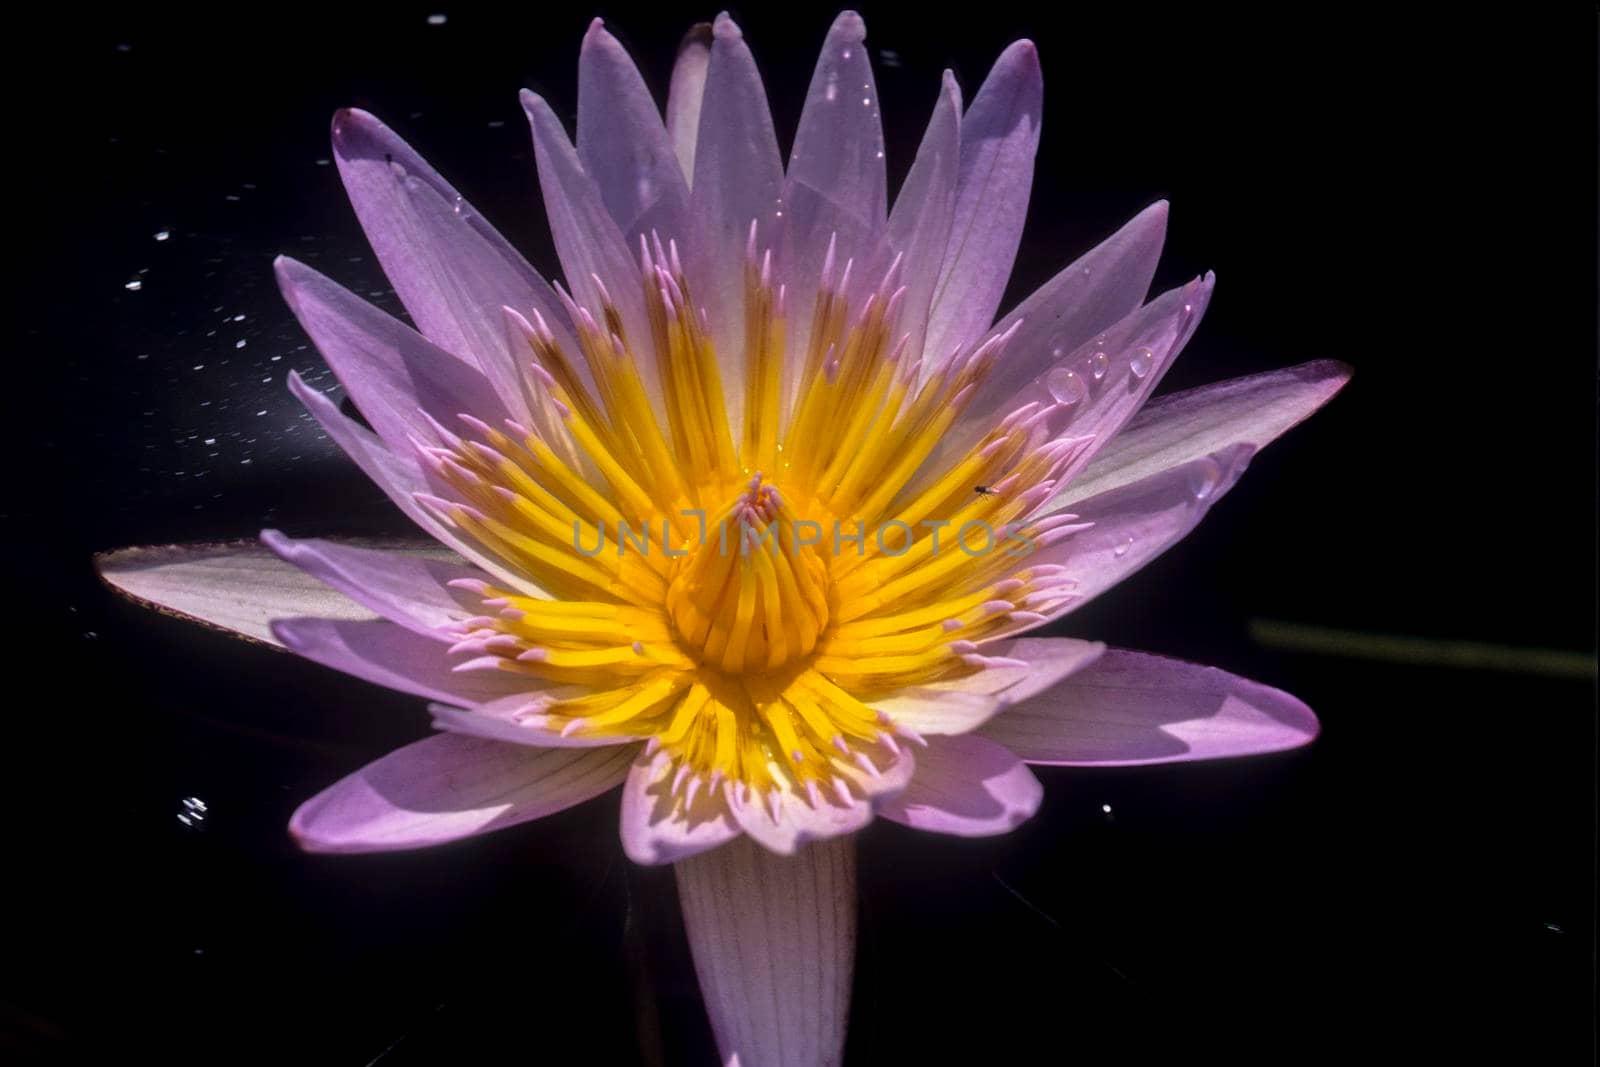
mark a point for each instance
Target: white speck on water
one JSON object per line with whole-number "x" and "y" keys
{"x": 1106, "y": 808}
{"x": 192, "y": 812}
{"x": 198, "y": 366}
{"x": 324, "y": 162}
{"x": 209, "y": 441}
{"x": 162, "y": 235}
{"x": 260, "y": 413}
{"x": 240, "y": 343}
{"x": 276, "y": 358}
{"x": 142, "y": 355}
{"x": 238, "y": 318}
{"x": 232, "y": 197}
{"x": 134, "y": 286}
{"x": 438, "y": 20}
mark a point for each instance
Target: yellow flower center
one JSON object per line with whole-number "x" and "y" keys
{"x": 740, "y": 595}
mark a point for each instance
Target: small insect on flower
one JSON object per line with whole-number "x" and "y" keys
{"x": 715, "y": 518}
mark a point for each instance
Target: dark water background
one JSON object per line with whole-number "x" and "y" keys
{"x": 1412, "y": 195}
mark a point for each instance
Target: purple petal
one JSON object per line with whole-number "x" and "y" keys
{"x": 686, "y": 93}
{"x": 801, "y": 818}
{"x": 623, "y": 143}
{"x": 919, "y": 225}
{"x": 1134, "y": 708}
{"x": 238, "y": 588}
{"x": 1091, "y": 392}
{"x": 411, "y": 590}
{"x": 655, "y": 826}
{"x": 1130, "y": 526}
{"x": 448, "y": 787}
{"x": 1180, "y": 427}
{"x": 394, "y": 374}
{"x": 591, "y": 247}
{"x": 738, "y": 179}
{"x": 400, "y": 477}
{"x": 498, "y": 720}
{"x": 1092, "y": 295}
{"x": 449, "y": 267}
{"x": 773, "y": 939}
{"x": 968, "y": 787}
{"x": 999, "y": 135}
{"x": 962, "y": 704}
{"x": 385, "y": 654}
{"x": 835, "y": 184}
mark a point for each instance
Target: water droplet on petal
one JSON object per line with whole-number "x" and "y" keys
{"x": 1065, "y": 386}
{"x": 1098, "y": 364}
{"x": 1122, "y": 549}
{"x": 1203, "y": 479}
{"x": 1143, "y": 359}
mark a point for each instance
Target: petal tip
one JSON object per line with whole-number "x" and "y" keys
{"x": 849, "y": 25}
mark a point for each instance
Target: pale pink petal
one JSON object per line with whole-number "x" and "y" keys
{"x": 1179, "y": 427}
{"x": 447, "y": 787}
{"x": 408, "y": 589}
{"x": 1129, "y": 527}
{"x": 966, "y": 786}
{"x": 957, "y": 705}
{"x": 919, "y": 224}
{"x": 685, "y": 94}
{"x": 738, "y": 179}
{"x": 397, "y": 377}
{"x": 773, "y": 939}
{"x": 999, "y": 135}
{"x": 385, "y": 654}
{"x": 834, "y": 188}
{"x": 238, "y": 588}
{"x": 450, "y": 268}
{"x": 623, "y": 143}
{"x": 1134, "y": 708}
{"x": 656, "y": 825}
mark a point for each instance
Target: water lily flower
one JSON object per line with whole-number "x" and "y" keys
{"x": 911, "y": 485}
